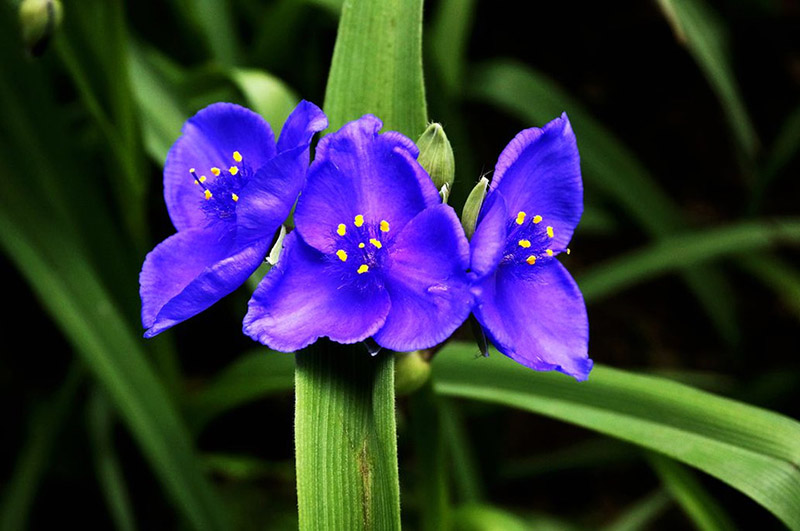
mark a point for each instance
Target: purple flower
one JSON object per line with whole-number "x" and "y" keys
{"x": 526, "y": 301}
{"x": 375, "y": 253}
{"x": 228, "y": 186}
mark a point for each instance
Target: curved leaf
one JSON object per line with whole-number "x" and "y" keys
{"x": 754, "y": 450}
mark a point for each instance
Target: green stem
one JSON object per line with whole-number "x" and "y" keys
{"x": 345, "y": 438}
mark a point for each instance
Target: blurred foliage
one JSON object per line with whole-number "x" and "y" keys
{"x": 688, "y": 120}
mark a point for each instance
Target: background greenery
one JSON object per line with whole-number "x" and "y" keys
{"x": 688, "y": 124}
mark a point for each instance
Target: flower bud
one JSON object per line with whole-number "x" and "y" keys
{"x": 39, "y": 20}
{"x": 411, "y": 372}
{"x": 436, "y": 156}
{"x": 472, "y": 207}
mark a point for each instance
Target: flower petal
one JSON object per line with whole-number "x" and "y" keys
{"x": 489, "y": 240}
{"x": 426, "y": 278}
{"x": 265, "y": 202}
{"x": 190, "y": 271}
{"x": 539, "y": 173}
{"x": 356, "y": 171}
{"x": 301, "y": 299}
{"x": 305, "y": 120}
{"x": 539, "y": 321}
{"x": 209, "y": 140}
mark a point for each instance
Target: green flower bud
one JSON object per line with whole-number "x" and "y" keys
{"x": 39, "y": 20}
{"x": 436, "y": 156}
{"x": 411, "y": 371}
{"x": 469, "y": 216}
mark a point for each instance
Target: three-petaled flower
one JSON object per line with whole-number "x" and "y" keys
{"x": 374, "y": 252}
{"x": 526, "y": 301}
{"x": 228, "y": 186}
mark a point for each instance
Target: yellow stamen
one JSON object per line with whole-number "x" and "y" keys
{"x": 520, "y": 217}
{"x": 207, "y": 194}
{"x": 192, "y": 170}
{"x": 341, "y": 229}
{"x": 568, "y": 251}
{"x": 549, "y": 252}
{"x": 359, "y": 220}
{"x": 361, "y": 245}
{"x": 202, "y": 178}
{"x": 376, "y": 243}
{"x": 363, "y": 268}
{"x": 550, "y": 233}
{"x": 537, "y": 219}
{"x": 525, "y": 243}
{"x": 384, "y": 226}
{"x": 531, "y": 260}
{"x": 237, "y": 156}
{"x": 215, "y": 171}
{"x": 342, "y": 255}
{"x": 234, "y": 197}
{"x": 234, "y": 170}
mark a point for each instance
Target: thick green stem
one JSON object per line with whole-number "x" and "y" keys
{"x": 346, "y": 446}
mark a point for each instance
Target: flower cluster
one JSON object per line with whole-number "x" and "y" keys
{"x": 374, "y": 253}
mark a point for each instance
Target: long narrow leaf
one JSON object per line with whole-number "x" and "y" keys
{"x": 674, "y": 253}
{"x": 754, "y": 450}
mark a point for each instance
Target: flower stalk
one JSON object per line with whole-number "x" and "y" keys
{"x": 345, "y": 436}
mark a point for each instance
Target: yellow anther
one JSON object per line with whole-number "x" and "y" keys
{"x": 525, "y": 243}
{"x": 342, "y": 255}
{"x": 520, "y": 217}
{"x": 341, "y": 229}
{"x": 215, "y": 171}
{"x": 550, "y": 232}
{"x": 234, "y": 170}
{"x": 359, "y": 220}
{"x": 202, "y": 178}
{"x": 237, "y": 156}
{"x": 234, "y": 197}
{"x": 207, "y": 194}
{"x": 549, "y": 252}
{"x": 363, "y": 268}
{"x": 376, "y": 243}
{"x": 384, "y": 226}
{"x": 531, "y": 260}
{"x": 361, "y": 245}
{"x": 568, "y": 251}
{"x": 537, "y": 219}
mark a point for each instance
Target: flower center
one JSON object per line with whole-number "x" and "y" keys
{"x": 220, "y": 192}
{"x": 361, "y": 244}
{"x": 529, "y": 240}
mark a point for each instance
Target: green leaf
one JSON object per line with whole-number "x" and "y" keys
{"x": 161, "y": 111}
{"x": 213, "y": 21}
{"x": 67, "y": 286}
{"x": 266, "y": 94}
{"x": 252, "y": 376}
{"x": 447, "y": 42}
{"x": 641, "y": 514}
{"x": 607, "y": 165}
{"x": 346, "y": 439}
{"x": 672, "y": 254}
{"x": 754, "y": 450}
{"x": 700, "y": 29}
{"x": 696, "y": 502}
{"x": 377, "y": 66}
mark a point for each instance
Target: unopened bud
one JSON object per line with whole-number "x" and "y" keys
{"x": 39, "y": 20}
{"x": 436, "y": 156}
{"x": 472, "y": 207}
{"x": 411, "y": 371}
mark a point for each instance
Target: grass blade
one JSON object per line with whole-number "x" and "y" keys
{"x": 754, "y": 450}
{"x": 672, "y": 254}
{"x": 704, "y": 34}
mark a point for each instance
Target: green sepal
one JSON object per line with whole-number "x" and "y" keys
{"x": 472, "y": 207}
